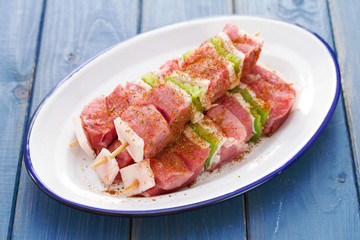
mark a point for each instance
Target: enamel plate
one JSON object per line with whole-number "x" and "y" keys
{"x": 65, "y": 174}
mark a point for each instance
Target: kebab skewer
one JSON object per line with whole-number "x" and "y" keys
{"x": 214, "y": 94}
{"x": 222, "y": 130}
{"x": 215, "y": 47}
{"x": 232, "y": 104}
{"x": 248, "y": 46}
{"x": 193, "y": 78}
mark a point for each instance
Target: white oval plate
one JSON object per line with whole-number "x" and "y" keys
{"x": 64, "y": 173}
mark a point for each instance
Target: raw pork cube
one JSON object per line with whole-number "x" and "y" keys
{"x": 275, "y": 91}
{"x": 148, "y": 123}
{"x": 98, "y": 116}
{"x": 193, "y": 150}
{"x": 206, "y": 63}
{"x": 171, "y": 173}
{"x": 229, "y": 124}
{"x": 173, "y": 102}
{"x": 247, "y": 43}
{"x": 239, "y": 108}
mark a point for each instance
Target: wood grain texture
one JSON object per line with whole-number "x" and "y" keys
{"x": 316, "y": 197}
{"x": 19, "y": 27}
{"x": 73, "y": 32}
{"x": 214, "y": 222}
{"x": 345, "y": 20}
{"x": 224, "y": 219}
{"x": 160, "y": 13}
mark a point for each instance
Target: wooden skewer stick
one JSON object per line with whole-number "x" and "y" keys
{"x": 111, "y": 156}
{"x": 74, "y": 144}
{"x": 134, "y": 185}
{"x": 257, "y": 34}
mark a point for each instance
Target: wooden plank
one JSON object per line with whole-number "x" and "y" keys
{"x": 19, "y": 27}
{"x": 73, "y": 32}
{"x": 316, "y": 197}
{"x": 213, "y": 222}
{"x": 345, "y": 21}
{"x": 161, "y": 13}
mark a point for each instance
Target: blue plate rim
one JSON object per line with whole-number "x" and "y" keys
{"x": 141, "y": 213}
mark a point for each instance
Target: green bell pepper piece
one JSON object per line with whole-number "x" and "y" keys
{"x": 222, "y": 52}
{"x": 187, "y": 54}
{"x": 208, "y": 137}
{"x": 194, "y": 91}
{"x": 151, "y": 79}
{"x": 259, "y": 112}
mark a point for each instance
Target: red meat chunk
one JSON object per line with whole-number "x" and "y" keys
{"x": 234, "y": 131}
{"x": 248, "y": 44}
{"x": 229, "y": 151}
{"x": 132, "y": 92}
{"x": 168, "y": 67}
{"x": 277, "y": 93}
{"x": 171, "y": 102}
{"x": 206, "y": 63}
{"x": 170, "y": 171}
{"x": 116, "y": 102}
{"x": 193, "y": 154}
{"x": 229, "y": 124}
{"x": 148, "y": 123}
{"x": 98, "y": 116}
{"x": 233, "y": 105}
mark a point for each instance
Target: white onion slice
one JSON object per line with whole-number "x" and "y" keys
{"x": 81, "y": 137}
{"x": 126, "y": 134}
{"x": 107, "y": 171}
{"x": 140, "y": 172}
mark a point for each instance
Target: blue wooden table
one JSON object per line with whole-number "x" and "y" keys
{"x": 41, "y": 41}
